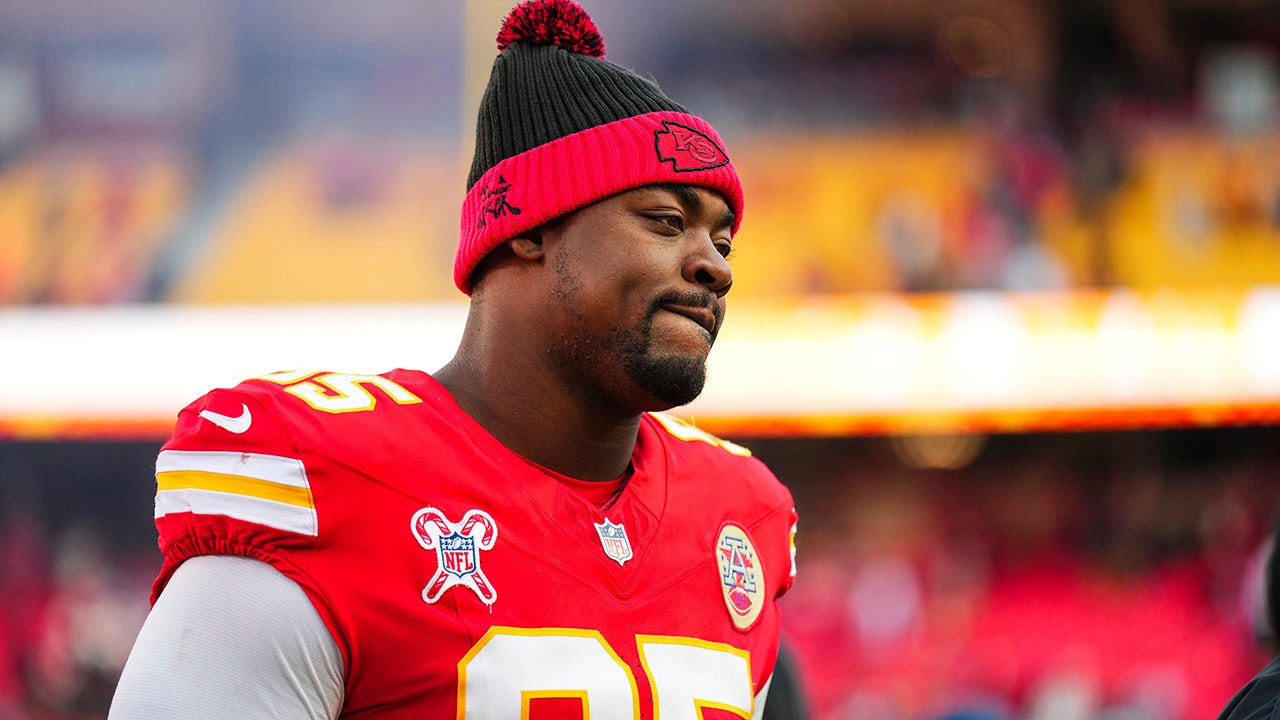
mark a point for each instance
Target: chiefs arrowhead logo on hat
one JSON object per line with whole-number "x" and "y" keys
{"x": 687, "y": 149}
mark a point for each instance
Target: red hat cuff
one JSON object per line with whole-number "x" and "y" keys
{"x": 526, "y": 190}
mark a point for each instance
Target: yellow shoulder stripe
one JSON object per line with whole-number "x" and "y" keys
{"x": 235, "y": 485}
{"x": 687, "y": 432}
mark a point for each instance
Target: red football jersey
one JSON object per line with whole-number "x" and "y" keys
{"x": 462, "y": 581}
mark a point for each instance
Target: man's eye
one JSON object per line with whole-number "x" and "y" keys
{"x": 725, "y": 249}
{"x": 673, "y": 221}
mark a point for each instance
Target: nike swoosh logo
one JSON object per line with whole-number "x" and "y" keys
{"x": 235, "y": 425}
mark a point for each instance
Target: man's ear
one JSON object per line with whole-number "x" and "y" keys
{"x": 527, "y": 246}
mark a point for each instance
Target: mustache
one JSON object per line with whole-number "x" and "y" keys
{"x": 705, "y": 301}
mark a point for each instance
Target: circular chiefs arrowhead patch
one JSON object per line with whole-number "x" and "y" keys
{"x": 741, "y": 576}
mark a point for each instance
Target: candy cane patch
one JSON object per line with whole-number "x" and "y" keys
{"x": 457, "y": 547}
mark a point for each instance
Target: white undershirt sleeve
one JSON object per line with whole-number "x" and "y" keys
{"x": 231, "y": 637}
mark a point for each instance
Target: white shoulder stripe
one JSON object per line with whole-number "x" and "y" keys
{"x": 269, "y": 490}
{"x": 272, "y": 468}
{"x": 282, "y": 516}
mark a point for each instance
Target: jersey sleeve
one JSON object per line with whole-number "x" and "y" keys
{"x": 791, "y": 551}
{"x": 230, "y": 481}
{"x": 758, "y": 495}
{"x": 778, "y": 526}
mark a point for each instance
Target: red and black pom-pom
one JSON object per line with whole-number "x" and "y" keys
{"x": 552, "y": 22}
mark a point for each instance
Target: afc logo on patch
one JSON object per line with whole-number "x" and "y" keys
{"x": 741, "y": 577}
{"x": 457, "y": 547}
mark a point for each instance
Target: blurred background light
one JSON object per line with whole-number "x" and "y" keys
{"x": 1005, "y": 318}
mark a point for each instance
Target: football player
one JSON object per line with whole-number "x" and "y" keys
{"x": 522, "y": 533}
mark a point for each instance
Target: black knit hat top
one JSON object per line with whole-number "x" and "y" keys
{"x": 560, "y": 128}
{"x": 540, "y": 92}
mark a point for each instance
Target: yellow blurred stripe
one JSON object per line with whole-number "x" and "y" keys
{"x": 235, "y": 485}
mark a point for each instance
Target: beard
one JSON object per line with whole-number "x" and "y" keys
{"x": 672, "y": 380}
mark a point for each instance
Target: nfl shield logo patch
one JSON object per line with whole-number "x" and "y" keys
{"x": 457, "y": 554}
{"x": 613, "y": 538}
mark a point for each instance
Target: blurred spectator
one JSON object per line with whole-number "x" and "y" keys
{"x": 71, "y": 609}
{"x": 1051, "y": 583}
{"x": 1259, "y": 699}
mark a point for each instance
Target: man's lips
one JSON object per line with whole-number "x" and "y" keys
{"x": 704, "y": 316}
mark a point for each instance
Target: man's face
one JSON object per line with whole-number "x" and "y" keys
{"x": 637, "y": 293}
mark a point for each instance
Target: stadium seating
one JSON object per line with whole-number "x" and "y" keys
{"x": 328, "y": 222}
{"x": 85, "y": 225}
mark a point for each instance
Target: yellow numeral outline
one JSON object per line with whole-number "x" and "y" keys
{"x": 340, "y": 392}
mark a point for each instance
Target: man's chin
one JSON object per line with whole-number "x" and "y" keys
{"x": 672, "y": 381}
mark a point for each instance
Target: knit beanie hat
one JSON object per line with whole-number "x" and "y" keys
{"x": 560, "y": 127}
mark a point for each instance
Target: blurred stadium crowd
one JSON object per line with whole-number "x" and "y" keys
{"x": 1030, "y": 577}
{"x": 1072, "y": 576}
{"x": 244, "y": 151}
{"x": 148, "y": 147}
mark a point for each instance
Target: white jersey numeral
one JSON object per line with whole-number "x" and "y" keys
{"x": 691, "y": 675}
{"x": 510, "y": 669}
